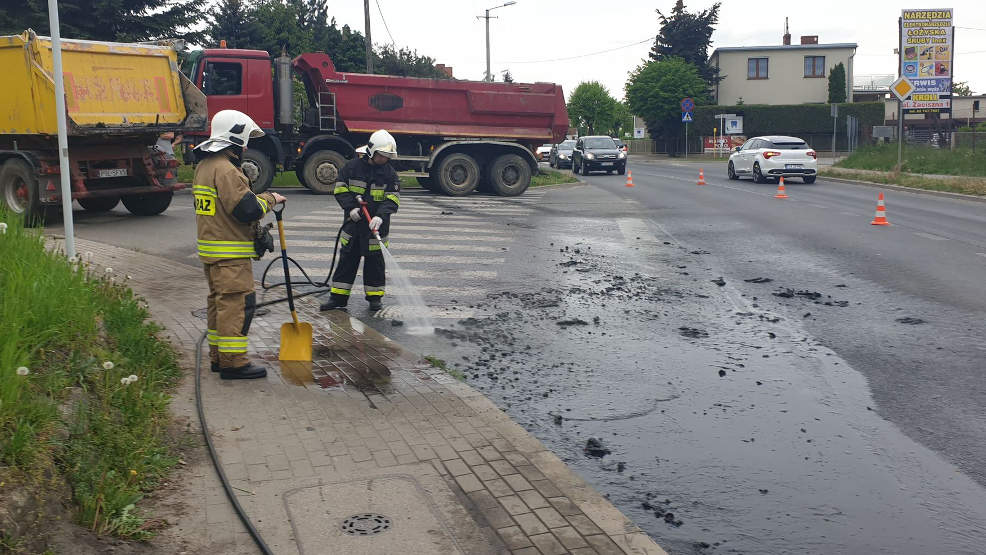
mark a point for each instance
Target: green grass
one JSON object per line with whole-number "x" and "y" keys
{"x": 441, "y": 365}
{"x": 964, "y": 185}
{"x": 70, "y": 418}
{"x": 919, "y": 159}
{"x": 552, "y": 177}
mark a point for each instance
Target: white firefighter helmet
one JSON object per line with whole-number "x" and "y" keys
{"x": 230, "y": 128}
{"x": 382, "y": 142}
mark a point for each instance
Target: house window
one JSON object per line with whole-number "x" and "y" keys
{"x": 756, "y": 68}
{"x": 814, "y": 66}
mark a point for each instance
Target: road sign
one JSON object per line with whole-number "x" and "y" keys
{"x": 687, "y": 105}
{"x": 902, "y": 88}
{"x": 686, "y": 117}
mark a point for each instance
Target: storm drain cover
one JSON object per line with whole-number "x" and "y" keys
{"x": 367, "y": 524}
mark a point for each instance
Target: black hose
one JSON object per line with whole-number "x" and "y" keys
{"x": 215, "y": 458}
{"x": 307, "y": 281}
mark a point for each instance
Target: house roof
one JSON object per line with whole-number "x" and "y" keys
{"x": 784, "y": 47}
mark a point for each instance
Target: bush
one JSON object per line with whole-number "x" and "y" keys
{"x": 918, "y": 159}
{"x": 792, "y": 119}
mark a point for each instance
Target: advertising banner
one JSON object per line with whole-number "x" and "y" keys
{"x": 926, "y": 56}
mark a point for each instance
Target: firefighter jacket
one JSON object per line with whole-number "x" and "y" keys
{"x": 380, "y": 189}
{"x": 226, "y": 210}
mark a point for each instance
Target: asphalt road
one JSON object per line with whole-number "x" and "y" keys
{"x": 812, "y": 422}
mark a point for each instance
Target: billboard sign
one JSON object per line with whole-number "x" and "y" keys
{"x": 926, "y": 58}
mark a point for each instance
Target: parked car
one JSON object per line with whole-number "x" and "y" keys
{"x": 770, "y": 158}
{"x": 561, "y": 154}
{"x": 598, "y": 153}
{"x": 542, "y": 152}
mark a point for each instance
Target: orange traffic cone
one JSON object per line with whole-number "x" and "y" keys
{"x": 629, "y": 178}
{"x": 781, "y": 193}
{"x": 701, "y": 177}
{"x": 881, "y": 212}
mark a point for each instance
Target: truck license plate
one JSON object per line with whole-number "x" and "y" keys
{"x": 792, "y": 166}
{"x": 116, "y": 172}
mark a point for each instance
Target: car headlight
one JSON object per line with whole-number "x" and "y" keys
{"x": 563, "y": 157}
{"x": 622, "y": 155}
{"x": 590, "y": 156}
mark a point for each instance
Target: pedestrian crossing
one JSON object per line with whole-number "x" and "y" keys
{"x": 451, "y": 249}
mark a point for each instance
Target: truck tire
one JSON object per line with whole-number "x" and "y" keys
{"x": 458, "y": 174}
{"x": 509, "y": 175}
{"x": 99, "y": 204}
{"x": 19, "y": 191}
{"x": 426, "y": 182}
{"x": 148, "y": 204}
{"x": 258, "y": 168}
{"x": 321, "y": 171}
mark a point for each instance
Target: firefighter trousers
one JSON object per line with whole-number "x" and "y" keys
{"x": 374, "y": 274}
{"x": 232, "y": 302}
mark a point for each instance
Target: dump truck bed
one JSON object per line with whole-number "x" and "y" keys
{"x": 110, "y": 88}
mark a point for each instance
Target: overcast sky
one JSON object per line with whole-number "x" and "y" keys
{"x": 533, "y": 37}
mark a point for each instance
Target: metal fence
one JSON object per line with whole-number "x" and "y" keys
{"x": 975, "y": 140}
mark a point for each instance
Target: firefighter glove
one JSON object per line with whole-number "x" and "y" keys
{"x": 263, "y": 241}
{"x": 354, "y": 214}
{"x": 375, "y": 223}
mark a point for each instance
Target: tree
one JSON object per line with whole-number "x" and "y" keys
{"x": 109, "y": 20}
{"x": 688, "y": 36}
{"x": 591, "y": 107}
{"x": 507, "y": 77}
{"x": 961, "y": 88}
{"x": 235, "y": 22}
{"x": 622, "y": 120}
{"x": 405, "y": 63}
{"x": 837, "y": 84}
{"x": 654, "y": 92}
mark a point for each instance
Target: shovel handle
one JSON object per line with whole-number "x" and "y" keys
{"x": 278, "y": 215}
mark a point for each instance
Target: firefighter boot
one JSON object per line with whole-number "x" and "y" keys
{"x": 250, "y": 371}
{"x": 335, "y": 302}
{"x": 375, "y": 304}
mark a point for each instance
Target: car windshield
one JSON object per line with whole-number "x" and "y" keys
{"x": 791, "y": 145}
{"x": 567, "y": 145}
{"x": 600, "y": 143}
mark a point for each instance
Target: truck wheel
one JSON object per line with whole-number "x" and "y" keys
{"x": 148, "y": 204}
{"x": 458, "y": 174}
{"x": 426, "y": 182}
{"x": 19, "y": 191}
{"x": 322, "y": 171}
{"x": 258, "y": 168}
{"x": 99, "y": 204}
{"x": 509, "y": 175}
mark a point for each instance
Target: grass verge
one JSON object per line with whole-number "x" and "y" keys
{"x": 441, "y": 365}
{"x": 84, "y": 382}
{"x": 551, "y": 177}
{"x": 965, "y": 185}
{"x": 918, "y": 159}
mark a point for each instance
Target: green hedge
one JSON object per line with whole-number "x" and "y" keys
{"x": 794, "y": 119}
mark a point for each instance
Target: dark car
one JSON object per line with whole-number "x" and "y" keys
{"x": 598, "y": 153}
{"x": 561, "y": 154}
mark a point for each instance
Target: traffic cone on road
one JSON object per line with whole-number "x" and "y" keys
{"x": 781, "y": 192}
{"x": 881, "y": 212}
{"x": 629, "y": 178}
{"x": 701, "y": 177}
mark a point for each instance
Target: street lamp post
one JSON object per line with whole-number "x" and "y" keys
{"x": 489, "y": 76}
{"x": 60, "y": 119}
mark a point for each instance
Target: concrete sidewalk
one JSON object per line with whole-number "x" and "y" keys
{"x": 366, "y": 450}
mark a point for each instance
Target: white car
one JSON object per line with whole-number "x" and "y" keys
{"x": 542, "y": 152}
{"x": 770, "y": 158}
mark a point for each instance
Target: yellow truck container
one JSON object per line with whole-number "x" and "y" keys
{"x": 120, "y": 99}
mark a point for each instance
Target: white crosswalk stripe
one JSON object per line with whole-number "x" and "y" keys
{"x": 408, "y": 258}
{"x": 401, "y": 245}
{"x": 277, "y": 271}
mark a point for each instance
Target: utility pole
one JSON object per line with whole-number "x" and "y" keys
{"x": 369, "y": 41}
{"x": 489, "y": 75}
{"x": 60, "y": 121}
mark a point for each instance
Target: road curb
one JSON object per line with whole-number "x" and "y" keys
{"x": 947, "y": 194}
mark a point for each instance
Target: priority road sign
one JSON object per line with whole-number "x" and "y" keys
{"x": 902, "y": 88}
{"x": 686, "y": 117}
{"x": 687, "y": 105}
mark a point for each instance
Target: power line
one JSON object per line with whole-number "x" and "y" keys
{"x": 385, "y": 26}
{"x": 971, "y": 28}
{"x": 648, "y": 39}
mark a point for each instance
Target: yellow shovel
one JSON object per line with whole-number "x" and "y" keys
{"x": 296, "y": 337}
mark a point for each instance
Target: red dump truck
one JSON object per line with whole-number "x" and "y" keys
{"x": 119, "y": 98}
{"x": 454, "y": 136}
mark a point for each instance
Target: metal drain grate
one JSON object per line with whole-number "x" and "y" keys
{"x": 368, "y": 524}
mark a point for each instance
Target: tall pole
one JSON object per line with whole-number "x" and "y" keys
{"x": 900, "y": 134}
{"x": 63, "y": 165}
{"x": 369, "y": 41}
{"x": 489, "y": 76}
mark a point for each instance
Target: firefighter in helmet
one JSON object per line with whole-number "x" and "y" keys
{"x": 227, "y": 213}
{"x": 371, "y": 180}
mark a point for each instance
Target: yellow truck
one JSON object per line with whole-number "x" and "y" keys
{"x": 119, "y": 100}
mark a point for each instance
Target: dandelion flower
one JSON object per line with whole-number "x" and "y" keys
{"x": 109, "y": 270}
{"x": 125, "y": 381}
{"x": 108, "y": 365}
{"x": 129, "y": 277}
{"x": 133, "y": 472}
{"x": 132, "y": 378}
{"x": 73, "y": 259}
{"x": 3, "y": 228}
{"x": 23, "y": 371}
